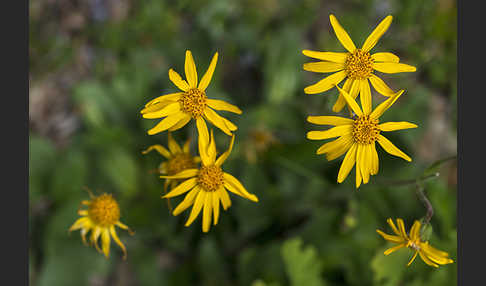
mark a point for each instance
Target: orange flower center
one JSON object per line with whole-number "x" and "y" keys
{"x": 193, "y": 102}
{"x": 210, "y": 178}
{"x": 359, "y": 65}
{"x": 365, "y": 130}
{"x": 104, "y": 210}
{"x": 180, "y": 162}
{"x": 413, "y": 245}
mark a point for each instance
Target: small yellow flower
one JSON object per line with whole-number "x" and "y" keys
{"x": 357, "y": 137}
{"x": 207, "y": 185}
{"x": 102, "y": 215}
{"x": 357, "y": 65}
{"x": 180, "y": 107}
{"x": 178, "y": 159}
{"x": 429, "y": 254}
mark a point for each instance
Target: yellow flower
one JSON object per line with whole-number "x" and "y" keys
{"x": 178, "y": 159}
{"x": 178, "y": 108}
{"x": 207, "y": 185}
{"x": 429, "y": 254}
{"x": 357, "y": 65}
{"x": 357, "y": 137}
{"x": 102, "y": 215}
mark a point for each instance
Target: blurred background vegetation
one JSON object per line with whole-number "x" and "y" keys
{"x": 95, "y": 63}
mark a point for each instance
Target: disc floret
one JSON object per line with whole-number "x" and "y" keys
{"x": 104, "y": 210}
{"x": 193, "y": 102}
{"x": 210, "y": 178}
{"x": 359, "y": 64}
{"x": 365, "y": 130}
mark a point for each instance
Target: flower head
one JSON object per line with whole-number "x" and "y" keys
{"x": 208, "y": 185}
{"x": 429, "y": 254}
{"x": 357, "y": 137}
{"x": 178, "y": 160}
{"x": 179, "y": 108}
{"x": 102, "y": 215}
{"x": 356, "y": 65}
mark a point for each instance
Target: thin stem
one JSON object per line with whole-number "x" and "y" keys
{"x": 428, "y": 206}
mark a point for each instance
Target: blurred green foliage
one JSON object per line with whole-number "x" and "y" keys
{"x": 306, "y": 229}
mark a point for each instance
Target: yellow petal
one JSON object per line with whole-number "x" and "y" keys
{"x": 329, "y": 120}
{"x": 415, "y": 230}
{"x": 351, "y": 86}
{"x": 359, "y": 178}
{"x": 118, "y": 241}
{"x": 413, "y": 258}
{"x": 380, "y": 86}
{"x": 392, "y": 149}
{"x": 392, "y": 225}
{"x": 327, "y": 56}
{"x": 196, "y": 209}
{"x": 181, "y": 123}
{"x": 223, "y": 105}
{"x": 426, "y": 259}
{"x": 365, "y": 96}
{"x": 341, "y": 34}
{"x": 361, "y": 161}
{"x": 225, "y": 155}
{"x": 336, "y": 148}
{"x": 173, "y": 146}
{"x": 391, "y": 238}
{"x": 178, "y": 81}
{"x": 182, "y": 188}
{"x": 155, "y": 107}
{"x": 401, "y": 228}
{"x": 160, "y": 149}
{"x": 203, "y": 140}
{"x": 347, "y": 164}
{"x": 186, "y": 146}
{"x": 216, "y": 207}
{"x": 225, "y": 199}
{"x": 188, "y": 201}
{"x": 206, "y": 79}
{"x": 166, "y": 123}
{"x": 385, "y": 57}
{"x": 351, "y": 102}
{"x": 393, "y": 67}
{"x": 395, "y": 248}
{"x": 375, "y": 160}
{"x": 79, "y": 223}
{"x": 323, "y": 67}
{"x": 208, "y": 203}
{"x": 234, "y": 185}
{"x": 167, "y": 97}
{"x": 105, "y": 242}
{"x": 183, "y": 174}
{"x": 392, "y": 126}
{"x": 330, "y": 133}
{"x": 380, "y": 109}
{"x": 376, "y": 34}
{"x": 212, "y": 149}
{"x": 166, "y": 111}
{"x": 326, "y": 83}
{"x": 190, "y": 69}
{"x": 215, "y": 119}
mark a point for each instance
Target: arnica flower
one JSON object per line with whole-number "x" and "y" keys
{"x": 101, "y": 217}
{"x": 208, "y": 185}
{"x": 357, "y": 137}
{"x": 357, "y": 65}
{"x": 192, "y": 103}
{"x": 178, "y": 160}
{"x": 429, "y": 254}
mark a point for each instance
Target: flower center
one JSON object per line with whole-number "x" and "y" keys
{"x": 413, "y": 244}
{"x": 210, "y": 178}
{"x": 365, "y": 130}
{"x": 180, "y": 162}
{"x": 193, "y": 102}
{"x": 359, "y": 65}
{"x": 104, "y": 210}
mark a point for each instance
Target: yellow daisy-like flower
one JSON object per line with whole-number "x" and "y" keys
{"x": 208, "y": 185}
{"x": 357, "y": 137}
{"x": 429, "y": 254}
{"x": 357, "y": 65}
{"x": 101, "y": 217}
{"x": 178, "y": 160}
{"x": 178, "y": 108}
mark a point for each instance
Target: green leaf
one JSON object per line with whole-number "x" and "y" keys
{"x": 303, "y": 266}
{"x": 434, "y": 167}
